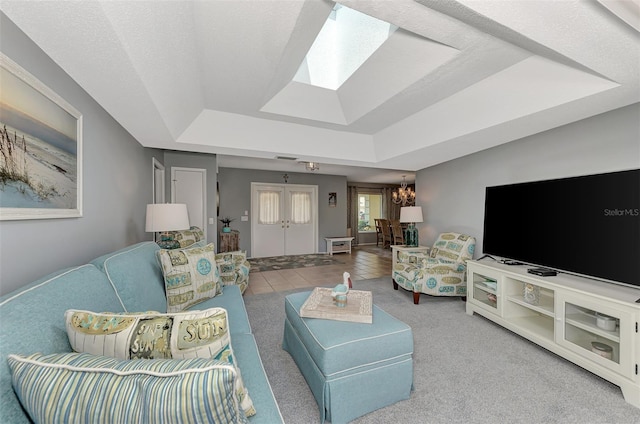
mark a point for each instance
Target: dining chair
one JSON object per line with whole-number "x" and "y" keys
{"x": 397, "y": 232}
{"x": 386, "y": 232}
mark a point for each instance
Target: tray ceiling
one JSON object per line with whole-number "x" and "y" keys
{"x": 455, "y": 78}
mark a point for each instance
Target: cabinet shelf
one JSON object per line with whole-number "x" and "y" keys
{"x": 541, "y": 326}
{"x": 482, "y": 286}
{"x": 588, "y": 323}
{"x": 545, "y": 306}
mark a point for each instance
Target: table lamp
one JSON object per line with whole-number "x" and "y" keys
{"x": 411, "y": 215}
{"x": 165, "y": 217}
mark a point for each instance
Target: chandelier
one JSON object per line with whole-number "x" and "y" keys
{"x": 404, "y": 195}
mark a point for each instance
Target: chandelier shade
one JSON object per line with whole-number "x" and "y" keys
{"x": 404, "y": 195}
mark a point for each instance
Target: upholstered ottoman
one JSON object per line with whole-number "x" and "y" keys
{"x": 351, "y": 368}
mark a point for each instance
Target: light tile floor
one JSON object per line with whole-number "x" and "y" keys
{"x": 363, "y": 263}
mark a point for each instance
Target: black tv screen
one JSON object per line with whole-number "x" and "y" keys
{"x": 588, "y": 225}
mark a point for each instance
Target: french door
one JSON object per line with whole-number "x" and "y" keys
{"x": 284, "y": 219}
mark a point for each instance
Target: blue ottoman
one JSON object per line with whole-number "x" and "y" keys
{"x": 351, "y": 368}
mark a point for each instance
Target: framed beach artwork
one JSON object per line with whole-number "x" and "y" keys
{"x": 40, "y": 149}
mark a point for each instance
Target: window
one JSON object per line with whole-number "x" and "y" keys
{"x": 347, "y": 39}
{"x": 369, "y": 209}
{"x": 300, "y": 207}
{"x": 269, "y": 213}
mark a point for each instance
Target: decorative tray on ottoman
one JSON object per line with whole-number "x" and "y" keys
{"x": 320, "y": 305}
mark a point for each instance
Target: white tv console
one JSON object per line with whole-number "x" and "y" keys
{"x": 563, "y": 319}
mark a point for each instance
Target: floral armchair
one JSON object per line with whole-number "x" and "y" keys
{"x": 440, "y": 272}
{"x": 234, "y": 266}
{"x": 234, "y": 269}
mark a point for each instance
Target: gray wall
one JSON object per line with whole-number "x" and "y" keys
{"x": 117, "y": 174}
{"x": 235, "y": 198}
{"x": 452, "y": 194}
{"x": 200, "y": 161}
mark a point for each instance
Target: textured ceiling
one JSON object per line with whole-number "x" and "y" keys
{"x": 459, "y": 77}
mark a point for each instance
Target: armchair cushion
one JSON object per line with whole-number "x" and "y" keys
{"x": 453, "y": 247}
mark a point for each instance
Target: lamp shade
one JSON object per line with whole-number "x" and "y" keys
{"x": 411, "y": 214}
{"x": 167, "y": 217}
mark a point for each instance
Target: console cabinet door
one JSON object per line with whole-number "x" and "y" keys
{"x": 601, "y": 331}
{"x": 483, "y": 288}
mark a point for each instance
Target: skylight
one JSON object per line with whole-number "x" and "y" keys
{"x": 347, "y": 39}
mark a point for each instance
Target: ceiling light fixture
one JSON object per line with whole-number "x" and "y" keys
{"x": 404, "y": 195}
{"x": 311, "y": 166}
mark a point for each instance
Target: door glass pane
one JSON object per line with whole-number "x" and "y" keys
{"x": 269, "y": 204}
{"x": 300, "y": 207}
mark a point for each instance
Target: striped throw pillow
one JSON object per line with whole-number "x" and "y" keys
{"x": 84, "y": 388}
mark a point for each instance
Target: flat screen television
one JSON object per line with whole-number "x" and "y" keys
{"x": 587, "y": 225}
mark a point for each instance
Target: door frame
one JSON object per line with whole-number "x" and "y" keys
{"x": 157, "y": 181}
{"x": 203, "y": 173}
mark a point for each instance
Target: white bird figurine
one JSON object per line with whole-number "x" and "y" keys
{"x": 346, "y": 280}
{"x": 342, "y": 288}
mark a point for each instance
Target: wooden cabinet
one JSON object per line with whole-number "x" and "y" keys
{"x": 229, "y": 242}
{"x": 593, "y": 324}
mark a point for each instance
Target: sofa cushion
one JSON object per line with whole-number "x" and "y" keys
{"x": 191, "y": 276}
{"x": 32, "y": 321}
{"x": 231, "y": 300}
{"x": 194, "y": 334}
{"x": 84, "y": 388}
{"x": 135, "y": 274}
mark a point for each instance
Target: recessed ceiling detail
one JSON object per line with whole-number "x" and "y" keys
{"x": 399, "y": 60}
{"x": 455, "y": 77}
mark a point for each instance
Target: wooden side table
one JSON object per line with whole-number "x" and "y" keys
{"x": 229, "y": 242}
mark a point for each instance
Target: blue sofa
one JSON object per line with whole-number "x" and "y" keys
{"x": 127, "y": 280}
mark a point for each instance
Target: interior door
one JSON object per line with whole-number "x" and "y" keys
{"x": 189, "y": 186}
{"x": 284, "y": 219}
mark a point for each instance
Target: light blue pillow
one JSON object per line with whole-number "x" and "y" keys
{"x": 84, "y": 388}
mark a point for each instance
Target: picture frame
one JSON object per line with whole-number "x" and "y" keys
{"x": 40, "y": 149}
{"x": 333, "y": 199}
